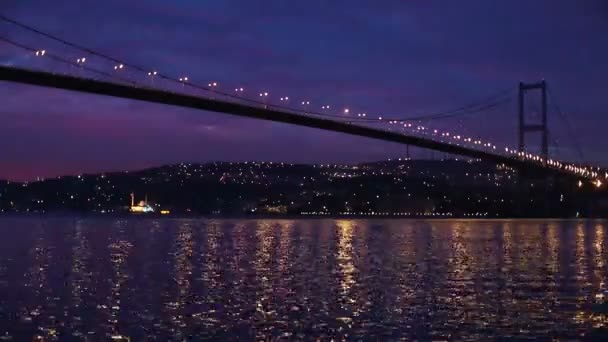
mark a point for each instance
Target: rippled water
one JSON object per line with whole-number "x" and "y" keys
{"x": 96, "y": 279}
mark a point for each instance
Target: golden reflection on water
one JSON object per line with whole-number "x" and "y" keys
{"x": 285, "y": 228}
{"x": 581, "y": 255}
{"x": 37, "y": 282}
{"x": 240, "y": 242}
{"x": 581, "y": 315}
{"x": 345, "y": 255}
{"x": 462, "y": 257}
{"x": 461, "y": 280}
{"x": 600, "y": 319}
{"x": 80, "y": 277}
{"x": 347, "y": 269}
{"x": 262, "y": 266}
{"x": 507, "y": 243}
{"x": 600, "y": 261}
{"x": 505, "y": 272}
{"x": 551, "y": 266}
{"x": 211, "y": 274}
{"x": 119, "y": 249}
{"x": 553, "y": 250}
{"x": 592, "y": 302}
{"x": 183, "y": 253}
{"x": 407, "y": 277}
{"x": 238, "y": 267}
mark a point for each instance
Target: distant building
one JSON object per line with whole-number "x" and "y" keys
{"x": 141, "y": 207}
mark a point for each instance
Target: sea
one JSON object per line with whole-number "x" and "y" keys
{"x": 166, "y": 279}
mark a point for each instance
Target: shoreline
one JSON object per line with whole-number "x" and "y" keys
{"x": 80, "y": 215}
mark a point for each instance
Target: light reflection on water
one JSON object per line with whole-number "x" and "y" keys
{"x": 99, "y": 279}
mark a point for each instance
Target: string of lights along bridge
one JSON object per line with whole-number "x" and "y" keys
{"x": 56, "y": 55}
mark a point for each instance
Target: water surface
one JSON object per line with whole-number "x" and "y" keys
{"x": 95, "y": 279}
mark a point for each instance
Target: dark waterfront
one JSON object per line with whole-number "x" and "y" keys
{"x": 97, "y": 279}
{"x": 402, "y": 188}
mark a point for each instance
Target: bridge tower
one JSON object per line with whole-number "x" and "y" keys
{"x": 542, "y": 127}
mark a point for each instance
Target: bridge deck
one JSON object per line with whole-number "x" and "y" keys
{"x": 68, "y": 82}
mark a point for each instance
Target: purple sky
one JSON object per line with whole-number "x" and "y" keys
{"x": 401, "y": 58}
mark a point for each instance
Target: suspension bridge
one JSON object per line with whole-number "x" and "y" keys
{"x": 90, "y": 71}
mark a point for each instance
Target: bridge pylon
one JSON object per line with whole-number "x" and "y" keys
{"x": 542, "y": 127}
